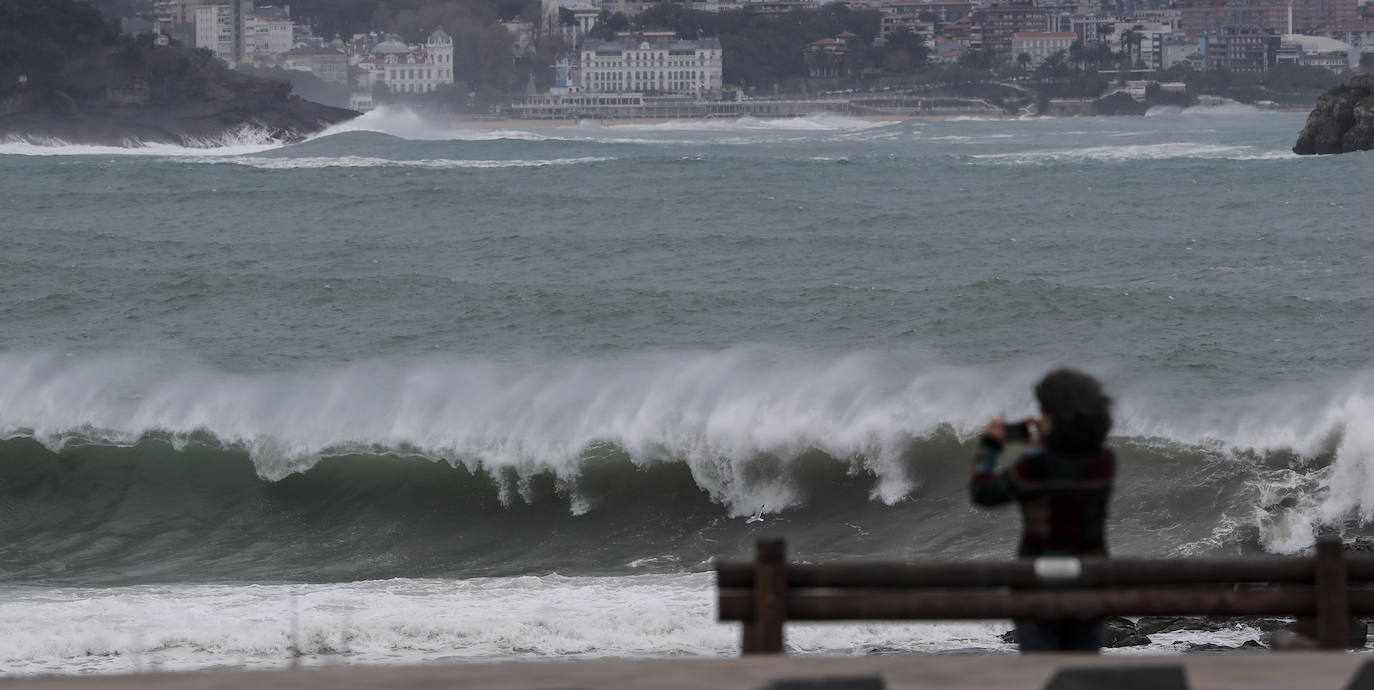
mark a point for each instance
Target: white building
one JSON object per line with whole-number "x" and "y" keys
{"x": 1150, "y": 39}
{"x": 220, "y": 28}
{"x": 1040, "y": 45}
{"x": 236, "y": 31}
{"x": 652, "y": 66}
{"x": 412, "y": 69}
{"x": 269, "y": 32}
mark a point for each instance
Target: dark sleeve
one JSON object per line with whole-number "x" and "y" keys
{"x": 988, "y": 487}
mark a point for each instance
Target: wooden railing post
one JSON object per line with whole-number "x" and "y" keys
{"x": 763, "y": 635}
{"x": 1333, "y": 601}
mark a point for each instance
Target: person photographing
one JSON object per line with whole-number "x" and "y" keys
{"x": 1062, "y": 482}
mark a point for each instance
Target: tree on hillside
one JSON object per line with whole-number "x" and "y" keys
{"x": 39, "y": 39}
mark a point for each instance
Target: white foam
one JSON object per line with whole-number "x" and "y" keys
{"x": 715, "y": 411}
{"x": 1228, "y": 109}
{"x": 405, "y": 123}
{"x": 50, "y": 630}
{"x": 821, "y": 122}
{"x": 315, "y": 162}
{"x": 1134, "y": 152}
{"x": 238, "y": 142}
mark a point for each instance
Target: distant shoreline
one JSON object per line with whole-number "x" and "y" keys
{"x": 500, "y": 122}
{"x": 497, "y": 123}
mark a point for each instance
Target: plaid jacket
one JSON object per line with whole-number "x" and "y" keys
{"x": 1063, "y": 498}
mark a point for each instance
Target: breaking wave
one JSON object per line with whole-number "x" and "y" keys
{"x": 317, "y": 162}
{"x": 1180, "y": 150}
{"x": 123, "y": 468}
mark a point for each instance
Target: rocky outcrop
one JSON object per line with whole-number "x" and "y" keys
{"x": 234, "y": 104}
{"x": 1116, "y": 632}
{"x": 1342, "y": 121}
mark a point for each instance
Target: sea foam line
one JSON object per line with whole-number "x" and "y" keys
{"x": 318, "y": 162}
{"x": 240, "y": 141}
{"x": 1133, "y": 152}
{"x": 185, "y": 627}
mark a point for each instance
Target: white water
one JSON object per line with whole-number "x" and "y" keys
{"x": 243, "y": 141}
{"x": 713, "y": 410}
{"x": 164, "y": 627}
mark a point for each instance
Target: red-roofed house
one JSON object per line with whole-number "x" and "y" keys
{"x": 832, "y": 57}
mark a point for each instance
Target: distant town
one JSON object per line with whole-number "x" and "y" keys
{"x": 703, "y": 58}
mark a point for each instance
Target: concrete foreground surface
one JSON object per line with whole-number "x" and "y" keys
{"x": 1216, "y": 671}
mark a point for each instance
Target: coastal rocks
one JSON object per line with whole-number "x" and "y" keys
{"x": 1248, "y": 645}
{"x": 237, "y": 106}
{"x": 1117, "y": 632}
{"x": 1118, "y": 103}
{"x": 1342, "y": 121}
{"x": 1123, "y": 632}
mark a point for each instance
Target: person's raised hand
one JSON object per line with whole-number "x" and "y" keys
{"x": 997, "y": 430}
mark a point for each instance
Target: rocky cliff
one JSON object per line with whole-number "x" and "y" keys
{"x": 132, "y": 115}
{"x": 1343, "y": 120}
{"x": 67, "y": 73}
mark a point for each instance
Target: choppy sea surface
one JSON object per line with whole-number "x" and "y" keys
{"x": 414, "y": 391}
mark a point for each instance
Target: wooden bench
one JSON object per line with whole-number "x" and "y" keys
{"x": 768, "y": 592}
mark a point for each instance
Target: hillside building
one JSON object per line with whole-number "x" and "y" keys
{"x": 1000, "y": 23}
{"x": 236, "y": 31}
{"x": 406, "y": 68}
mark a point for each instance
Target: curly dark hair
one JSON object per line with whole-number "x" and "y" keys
{"x": 1080, "y": 413}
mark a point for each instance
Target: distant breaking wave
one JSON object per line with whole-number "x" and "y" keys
{"x": 316, "y": 162}
{"x": 241, "y": 141}
{"x": 1182, "y": 150}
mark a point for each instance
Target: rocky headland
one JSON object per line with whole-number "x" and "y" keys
{"x": 68, "y": 75}
{"x": 239, "y": 107}
{"x": 1342, "y": 121}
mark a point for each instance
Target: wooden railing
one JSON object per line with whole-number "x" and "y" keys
{"x": 768, "y": 592}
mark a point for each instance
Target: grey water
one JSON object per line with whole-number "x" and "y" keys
{"x": 406, "y": 350}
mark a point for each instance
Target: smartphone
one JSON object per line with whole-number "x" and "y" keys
{"x": 1016, "y": 431}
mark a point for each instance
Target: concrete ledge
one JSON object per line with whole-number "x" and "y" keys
{"x": 1220, "y": 671}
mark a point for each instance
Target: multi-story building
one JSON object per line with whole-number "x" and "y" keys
{"x": 1198, "y": 18}
{"x": 897, "y": 23}
{"x": 1000, "y": 23}
{"x": 327, "y": 64}
{"x": 1241, "y": 49}
{"x": 405, "y": 68}
{"x": 221, "y": 28}
{"x": 1310, "y": 15}
{"x": 268, "y": 32}
{"x": 1092, "y": 28}
{"x": 237, "y": 31}
{"x": 1170, "y": 18}
{"x": 178, "y": 18}
{"x": 945, "y": 11}
{"x": 1147, "y": 46}
{"x": 1359, "y": 35}
{"x": 1202, "y": 17}
{"x": 652, "y": 66}
{"x": 1040, "y": 45}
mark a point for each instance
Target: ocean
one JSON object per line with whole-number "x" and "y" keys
{"x": 412, "y": 392}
